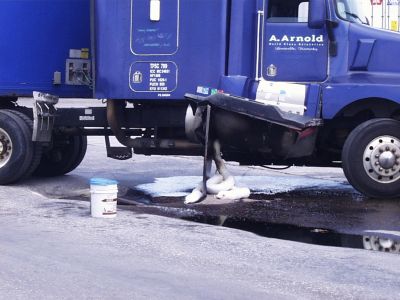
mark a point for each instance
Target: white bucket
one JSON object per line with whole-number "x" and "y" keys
{"x": 103, "y": 200}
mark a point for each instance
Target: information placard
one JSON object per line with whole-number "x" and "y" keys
{"x": 153, "y": 76}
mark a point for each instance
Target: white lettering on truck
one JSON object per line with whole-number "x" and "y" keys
{"x": 309, "y": 39}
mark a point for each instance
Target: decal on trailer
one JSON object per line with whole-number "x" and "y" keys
{"x": 153, "y": 76}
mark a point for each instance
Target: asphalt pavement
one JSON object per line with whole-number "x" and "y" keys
{"x": 50, "y": 247}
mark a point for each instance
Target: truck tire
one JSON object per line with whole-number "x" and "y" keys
{"x": 66, "y": 155}
{"x": 371, "y": 158}
{"x": 82, "y": 142}
{"x": 37, "y": 148}
{"x": 16, "y": 147}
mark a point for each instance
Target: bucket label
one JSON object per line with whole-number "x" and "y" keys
{"x": 109, "y": 207}
{"x": 109, "y": 200}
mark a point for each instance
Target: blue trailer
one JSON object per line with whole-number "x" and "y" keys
{"x": 275, "y": 82}
{"x": 37, "y": 38}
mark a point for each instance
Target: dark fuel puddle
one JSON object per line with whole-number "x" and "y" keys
{"x": 322, "y": 237}
{"x": 302, "y": 216}
{"x": 306, "y": 216}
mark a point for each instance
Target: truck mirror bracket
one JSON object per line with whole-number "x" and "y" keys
{"x": 333, "y": 45}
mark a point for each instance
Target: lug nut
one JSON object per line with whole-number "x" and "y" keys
{"x": 377, "y": 156}
{"x": 387, "y": 148}
{"x": 381, "y": 150}
{"x": 377, "y": 163}
{"x": 387, "y": 171}
{"x": 394, "y": 150}
{"x": 380, "y": 169}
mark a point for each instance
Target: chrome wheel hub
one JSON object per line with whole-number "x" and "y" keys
{"x": 5, "y": 148}
{"x": 381, "y": 244}
{"x": 382, "y": 159}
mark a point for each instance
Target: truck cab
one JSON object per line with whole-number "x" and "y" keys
{"x": 321, "y": 59}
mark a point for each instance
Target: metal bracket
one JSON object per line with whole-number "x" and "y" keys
{"x": 207, "y": 155}
{"x": 44, "y": 114}
{"x": 260, "y": 16}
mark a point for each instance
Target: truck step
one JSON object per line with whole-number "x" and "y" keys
{"x": 119, "y": 153}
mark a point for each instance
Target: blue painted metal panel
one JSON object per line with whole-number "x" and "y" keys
{"x": 35, "y": 38}
{"x": 385, "y": 52}
{"x": 313, "y": 99}
{"x": 378, "y": 79}
{"x": 297, "y": 52}
{"x": 243, "y": 35}
{"x": 343, "y": 91}
{"x": 139, "y": 58}
{"x": 235, "y": 85}
{"x": 155, "y": 37}
{"x": 363, "y": 54}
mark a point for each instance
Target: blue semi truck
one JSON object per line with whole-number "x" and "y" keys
{"x": 290, "y": 82}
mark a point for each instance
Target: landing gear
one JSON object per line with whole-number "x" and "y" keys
{"x": 65, "y": 155}
{"x": 18, "y": 154}
{"x": 371, "y": 158}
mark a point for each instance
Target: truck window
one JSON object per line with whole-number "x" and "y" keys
{"x": 351, "y": 11}
{"x": 288, "y": 11}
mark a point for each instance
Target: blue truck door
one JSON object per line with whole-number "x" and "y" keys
{"x": 154, "y": 27}
{"x": 154, "y": 32}
{"x": 291, "y": 50}
{"x": 150, "y": 50}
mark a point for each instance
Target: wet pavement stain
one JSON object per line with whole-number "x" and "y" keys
{"x": 316, "y": 236}
{"x": 307, "y": 216}
{"x": 303, "y": 216}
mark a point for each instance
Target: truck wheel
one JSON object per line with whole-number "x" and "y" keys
{"x": 16, "y": 147}
{"x": 37, "y": 148}
{"x": 66, "y": 155}
{"x": 371, "y": 158}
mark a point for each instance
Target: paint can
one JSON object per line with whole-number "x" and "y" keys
{"x": 103, "y": 198}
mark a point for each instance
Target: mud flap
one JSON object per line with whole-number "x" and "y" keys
{"x": 44, "y": 113}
